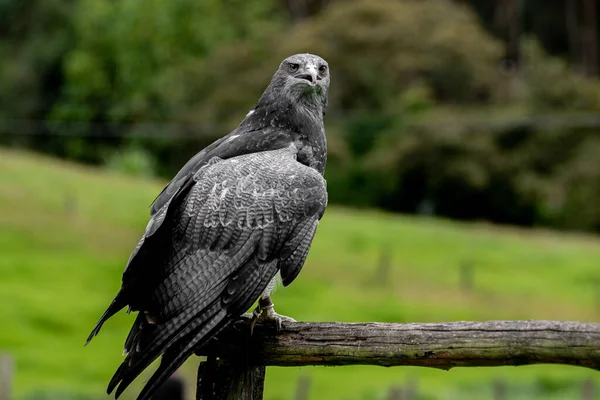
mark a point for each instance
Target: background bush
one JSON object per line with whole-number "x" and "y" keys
{"x": 426, "y": 114}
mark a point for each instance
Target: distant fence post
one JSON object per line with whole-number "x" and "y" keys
{"x": 499, "y": 389}
{"x": 589, "y": 390}
{"x": 407, "y": 392}
{"x": 395, "y": 393}
{"x": 70, "y": 204}
{"x": 411, "y": 389}
{"x": 466, "y": 276}
{"x": 6, "y": 375}
{"x": 597, "y": 292}
{"x": 303, "y": 387}
{"x": 383, "y": 271}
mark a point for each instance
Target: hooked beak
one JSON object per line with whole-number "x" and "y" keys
{"x": 310, "y": 76}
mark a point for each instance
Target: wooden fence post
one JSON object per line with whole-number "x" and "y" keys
{"x": 229, "y": 379}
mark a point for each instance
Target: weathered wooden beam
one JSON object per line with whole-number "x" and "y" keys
{"x": 438, "y": 345}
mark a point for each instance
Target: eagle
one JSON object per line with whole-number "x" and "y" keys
{"x": 238, "y": 218}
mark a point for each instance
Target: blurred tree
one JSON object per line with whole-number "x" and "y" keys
{"x": 590, "y": 33}
{"x": 126, "y": 47}
{"x": 301, "y": 9}
{"x": 564, "y": 27}
{"x": 508, "y": 17}
{"x": 552, "y": 86}
{"x": 34, "y": 36}
{"x": 410, "y": 78}
{"x": 125, "y": 62}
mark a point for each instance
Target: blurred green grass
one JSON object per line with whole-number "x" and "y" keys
{"x": 66, "y": 232}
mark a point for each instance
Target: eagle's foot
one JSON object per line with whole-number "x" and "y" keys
{"x": 265, "y": 312}
{"x": 268, "y": 314}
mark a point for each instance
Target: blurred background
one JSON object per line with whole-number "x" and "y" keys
{"x": 463, "y": 173}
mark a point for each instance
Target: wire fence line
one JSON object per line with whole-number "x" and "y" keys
{"x": 147, "y": 130}
{"x": 190, "y": 131}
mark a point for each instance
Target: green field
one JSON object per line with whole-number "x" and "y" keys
{"x": 66, "y": 232}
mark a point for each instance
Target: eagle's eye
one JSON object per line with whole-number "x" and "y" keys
{"x": 322, "y": 69}
{"x": 293, "y": 67}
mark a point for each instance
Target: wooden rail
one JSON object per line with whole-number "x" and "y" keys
{"x": 235, "y": 366}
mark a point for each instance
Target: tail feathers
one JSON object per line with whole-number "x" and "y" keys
{"x": 180, "y": 351}
{"x": 117, "y": 305}
{"x": 152, "y": 340}
{"x": 133, "y": 337}
{"x": 156, "y": 342}
{"x": 214, "y": 320}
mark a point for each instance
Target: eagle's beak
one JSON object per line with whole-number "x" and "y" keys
{"x": 311, "y": 75}
{"x": 312, "y": 70}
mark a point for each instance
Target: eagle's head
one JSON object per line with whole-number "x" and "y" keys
{"x": 303, "y": 78}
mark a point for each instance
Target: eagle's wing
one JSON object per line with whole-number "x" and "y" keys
{"x": 218, "y": 242}
{"x": 238, "y": 142}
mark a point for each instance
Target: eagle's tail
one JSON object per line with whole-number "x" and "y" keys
{"x": 178, "y": 353}
{"x": 176, "y": 340}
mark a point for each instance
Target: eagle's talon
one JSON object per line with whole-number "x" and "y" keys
{"x": 268, "y": 314}
{"x": 254, "y": 316}
{"x": 265, "y": 313}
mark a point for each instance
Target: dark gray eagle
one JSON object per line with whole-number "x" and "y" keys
{"x": 238, "y": 217}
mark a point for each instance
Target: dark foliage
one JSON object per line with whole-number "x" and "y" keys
{"x": 419, "y": 90}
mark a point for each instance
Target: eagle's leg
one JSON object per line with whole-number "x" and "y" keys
{"x": 265, "y": 312}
